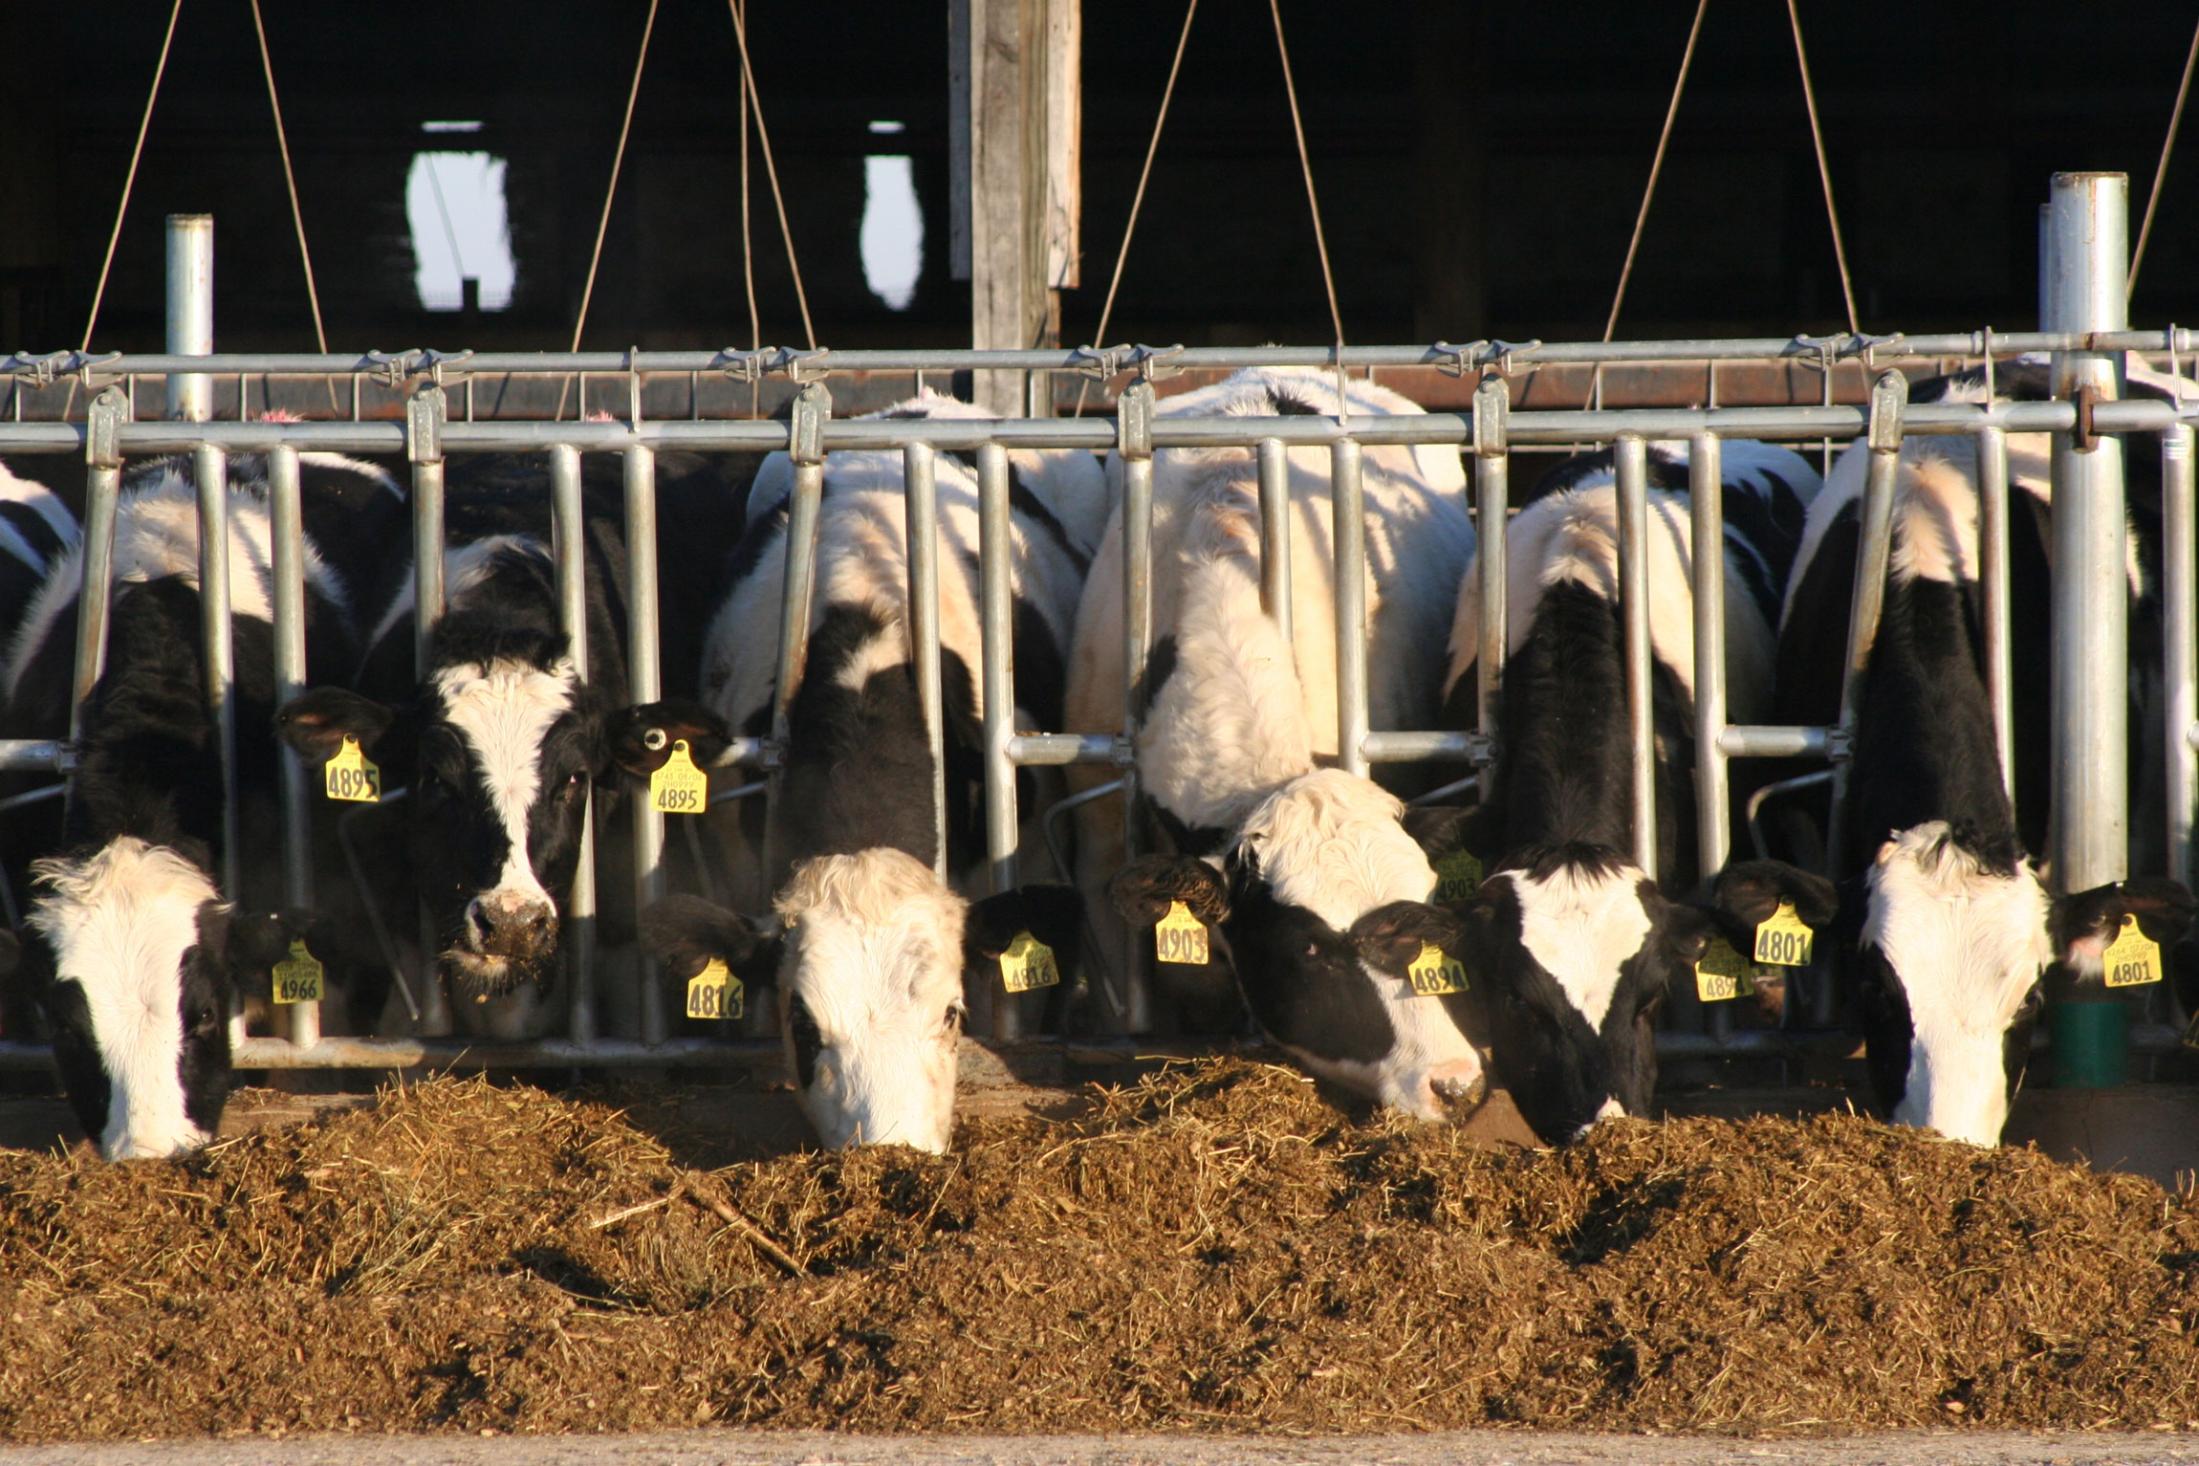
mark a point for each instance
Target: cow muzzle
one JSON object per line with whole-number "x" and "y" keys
{"x": 1459, "y": 1087}
{"x": 511, "y": 926}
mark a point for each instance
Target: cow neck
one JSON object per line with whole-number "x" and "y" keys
{"x": 147, "y": 764}
{"x": 1565, "y": 766}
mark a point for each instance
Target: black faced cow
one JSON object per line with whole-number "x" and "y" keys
{"x": 1576, "y": 942}
{"x": 1953, "y": 928}
{"x": 867, "y": 947}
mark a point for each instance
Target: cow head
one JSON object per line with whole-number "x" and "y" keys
{"x": 1957, "y": 932}
{"x": 1317, "y": 908}
{"x": 500, "y": 751}
{"x": 1577, "y": 949}
{"x": 137, "y": 965}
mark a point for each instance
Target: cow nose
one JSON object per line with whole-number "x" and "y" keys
{"x": 502, "y": 924}
{"x": 1460, "y": 1086}
{"x": 1612, "y": 1110}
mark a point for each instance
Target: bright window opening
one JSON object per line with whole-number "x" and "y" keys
{"x": 892, "y": 235}
{"x": 461, "y": 230}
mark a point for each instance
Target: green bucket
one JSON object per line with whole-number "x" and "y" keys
{"x": 2091, "y": 1041}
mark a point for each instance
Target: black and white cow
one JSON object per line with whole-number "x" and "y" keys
{"x": 1953, "y": 928}
{"x": 1311, "y": 882}
{"x": 139, "y": 966}
{"x": 37, "y": 526}
{"x": 500, "y": 740}
{"x": 1577, "y": 945}
{"x": 867, "y": 947}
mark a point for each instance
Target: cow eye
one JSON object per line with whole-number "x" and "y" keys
{"x": 576, "y": 783}
{"x": 1313, "y": 949}
{"x": 202, "y": 1020}
{"x": 953, "y": 1021}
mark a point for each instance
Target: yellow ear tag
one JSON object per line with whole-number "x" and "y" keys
{"x": 298, "y": 976}
{"x": 2133, "y": 959}
{"x": 714, "y": 992}
{"x": 1721, "y": 974}
{"x": 1028, "y": 963}
{"x": 1784, "y": 939}
{"x": 1457, "y": 876}
{"x": 679, "y": 787}
{"x": 351, "y": 777}
{"x": 1181, "y": 937}
{"x": 1435, "y": 972}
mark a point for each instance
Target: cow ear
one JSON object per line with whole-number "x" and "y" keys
{"x": 686, "y": 932}
{"x": 642, "y": 735}
{"x": 1687, "y": 930}
{"x": 316, "y": 723}
{"x": 2086, "y": 922}
{"x": 1390, "y": 937}
{"x": 1051, "y": 913}
{"x": 251, "y": 940}
{"x": 1143, "y": 890}
{"x": 1442, "y": 829}
{"x": 1748, "y": 891}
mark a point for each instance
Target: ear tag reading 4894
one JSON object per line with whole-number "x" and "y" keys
{"x": 1783, "y": 939}
{"x": 298, "y": 976}
{"x": 1435, "y": 972}
{"x": 714, "y": 992}
{"x": 1723, "y": 974}
{"x": 351, "y": 776}
{"x": 1181, "y": 937}
{"x": 2133, "y": 959}
{"x": 679, "y": 787}
{"x": 1028, "y": 963}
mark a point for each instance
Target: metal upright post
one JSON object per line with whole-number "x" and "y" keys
{"x": 2087, "y": 221}
{"x": 211, "y": 469}
{"x": 425, "y": 413}
{"x": 1348, "y": 507}
{"x": 806, "y": 438}
{"x": 2180, "y": 644}
{"x": 190, "y": 326}
{"x": 1275, "y": 516}
{"x": 1706, "y": 504}
{"x": 920, "y": 508}
{"x": 569, "y": 550}
{"x": 1492, "y": 488}
{"x": 1134, "y": 444}
{"x": 996, "y": 619}
{"x": 287, "y": 530}
{"x": 645, "y": 683}
{"x": 103, "y": 422}
{"x": 1632, "y": 461}
{"x": 1874, "y": 547}
{"x": 1993, "y": 567}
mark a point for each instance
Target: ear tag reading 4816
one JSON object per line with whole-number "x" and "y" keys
{"x": 679, "y": 787}
{"x": 2133, "y": 959}
{"x": 1783, "y": 939}
{"x": 1722, "y": 974}
{"x": 1028, "y": 963}
{"x": 1435, "y": 972}
{"x": 714, "y": 992}
{"x": 298, "y": 976}
{"x": 351, "y": 777}
{"x": 1181, "y": 937}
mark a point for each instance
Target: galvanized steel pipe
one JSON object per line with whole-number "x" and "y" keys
{"x": 569, "y": 551}
{"x": 1993, "y": 569}
{"x": 1348, "y": 505}
{"x": 644, "y": 684}
{"x": 996, "y": 619}
{"x": 190, "y": 324}
{"x": 920, "y": 495}
{"x": 1874, "y": 547}
{"x": 2180, "y": 644}
{"x": 1275, "y": 516}
{"x": 286, "y": 528}
{"x": 1633, "y": 504}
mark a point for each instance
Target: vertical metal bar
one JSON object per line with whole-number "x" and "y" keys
{"x": 1134, "y": 442}
{"x": 569, "y": 548}
{"x": 805, "y": 440}
{"x": 2180, "y": 643}
{"x": 2088, "y": 221}
{"x": 211, "y": 467}
{"x": 1492, "y": 490}
{"x": 424, "y": 417}
{"x": 1348, "y": 507}
{"x": 645, "y": 683}
{"x": 287, "y": 530}
{"x": 1706, "y": 503}
{"x": 1275, "y": 514}
{"x": 1993, "y": 566}
{"x": 190, "y": 326}
{"x": 103, "y": 491}
{"x": 1874, "y": 547}
{"x": 1633, "y": 505}
{"x": 996, "y": 619}
{"x": 920, "y": 506}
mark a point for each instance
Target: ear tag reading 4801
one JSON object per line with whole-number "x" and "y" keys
{"x": 1028, "y": 963}
{"x": 1722, "y": 974}
{"x": 2133, "y": 959}
{"x": 351, "y": 776}
{"x": 298, "y": 976}
{"x": 1783, "y": 939}
{"x": 714, "y": 992}
{"x": 679, "y": 787}
{"x": 1435, "y": 972}
{"x": 1181, "y": 937}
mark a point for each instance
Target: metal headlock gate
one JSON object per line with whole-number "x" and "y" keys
{"x": 2083, "y": 238}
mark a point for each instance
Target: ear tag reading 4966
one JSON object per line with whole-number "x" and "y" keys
{"x": 1783, "y": 939}
{"x": 714, "y": 992}
{"x": 298, "y": 976}
{"x": 2133, "y": 959}
{"x": 1722, "y": 974}
{"x": 1435, "y": 972}
{"x": 1457, "y": 876}
{"x": 351, "y": 777}
{"x": 679, "y": 787}
{"x": 1181, "y": 937}
{"x": 1028, "y": 963}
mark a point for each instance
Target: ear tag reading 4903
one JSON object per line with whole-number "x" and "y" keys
{"x": 679, "y": 787}
{"x": 1028, "y": 963}
{"x": 1181, "y": 937}
{"x": 1457, "y": 876}
{"x": 1435, "y": 972}
{"x": 1783, "y": 939}
{"x": 714, "y": 992}
{"x": 1722, "y": 974}
{"x": 298, "y": 976}
{"x": 351, "y": 776}
{"x": 2133, "y": 959}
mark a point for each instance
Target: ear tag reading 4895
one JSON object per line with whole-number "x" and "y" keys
{"x": 1783, "y": 939}
{"x": 351, "y": 776}
{"x": 2133, "y": 959}
{"x": 714, "y": 992}
{"x": 1722, "y": 974}
{"x": 1181, "y": 937}
{"x": 1435, "y": 972}
{"x": 679, "y": 787}
{"x": 298, "y": 976}
{"x": 1028, "y": 963}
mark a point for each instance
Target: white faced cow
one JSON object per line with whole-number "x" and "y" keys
{"x": 1576, "y": 944}
{"x": 1310, "y": 880}
{"x": 1954, "y": 926}
{"x": 867, "y": 947}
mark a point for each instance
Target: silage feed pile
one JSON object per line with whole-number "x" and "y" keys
{"x": 1216, "y": 1248}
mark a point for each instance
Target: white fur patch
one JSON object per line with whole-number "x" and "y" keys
{"x": 120, "y": 923}
{"x": 43, "y": 502}
{"x": 874, "y": 950}
{"x": 503, "y": 711}
{"x": 1582, "y": 926}
{"x": 1968, "y": 944}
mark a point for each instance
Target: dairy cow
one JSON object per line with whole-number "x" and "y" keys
{"x": 1574, "y": 945}
{"x": 1310, "y": 882}
{"x": 867, "y": 948}
{"x": 1953, "y": 927}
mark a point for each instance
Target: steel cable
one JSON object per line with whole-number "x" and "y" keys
{"x": 1824, "y": 172}
{"x": 1305, "y": 167}
{"x": 771, "y": 170}
{"x": 2160, "y": 170}
{"x": 129, "y": 180}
